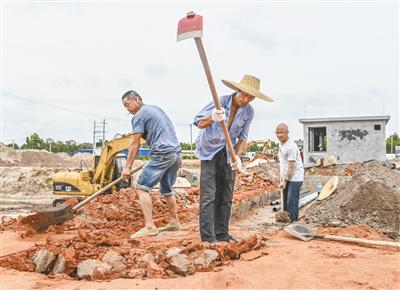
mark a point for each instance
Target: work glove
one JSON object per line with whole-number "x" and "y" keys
{"x": 218, "y": 115}
{"x": 237, "y": 166}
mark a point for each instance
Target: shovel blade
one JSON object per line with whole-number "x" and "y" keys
{"x": 44, "y": 218}
{"x": 190, "y": 27}
{"x": 302, "y": 232}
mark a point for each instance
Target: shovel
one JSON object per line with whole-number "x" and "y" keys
{"x": 192, "y": 27}
{"x": 44, "y": 218}
{"x": 305, "y": 233}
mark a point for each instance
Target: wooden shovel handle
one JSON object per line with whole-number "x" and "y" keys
{"x": 361, "y": 241}
{"x": 210, "y": 80}
{"x": 105, "y": 188}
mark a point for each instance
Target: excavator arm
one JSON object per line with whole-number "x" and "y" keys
{"x": 107, "y": 156}
{"x": 85, "y": 183}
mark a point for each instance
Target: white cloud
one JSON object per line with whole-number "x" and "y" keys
{"x": 67, "y": 64}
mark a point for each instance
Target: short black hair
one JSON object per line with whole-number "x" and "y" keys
{"x": 131, "y": 94}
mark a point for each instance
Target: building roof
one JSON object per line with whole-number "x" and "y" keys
{"x": 345, "y": 119}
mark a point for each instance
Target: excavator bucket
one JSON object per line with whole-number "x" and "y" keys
{"x": 191, "y": 26}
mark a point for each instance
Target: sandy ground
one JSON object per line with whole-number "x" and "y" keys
{"x": 290, "y": 264}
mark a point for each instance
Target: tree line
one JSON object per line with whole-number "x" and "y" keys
{"x": 34, "y": 141}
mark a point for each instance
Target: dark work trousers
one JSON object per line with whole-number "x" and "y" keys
{"x": 217, "y": 182}
{"x": 291, "y": 196}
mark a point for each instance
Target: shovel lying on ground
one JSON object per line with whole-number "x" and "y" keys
{"x": 44, "y": 218}
{"x": 192, "y": 27}
{"x": 305, "y": 233}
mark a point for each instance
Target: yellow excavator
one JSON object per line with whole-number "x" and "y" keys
{"x": 107, "y": 167}
{"x": 267, "y": 150}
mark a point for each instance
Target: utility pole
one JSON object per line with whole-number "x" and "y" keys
{"x": 104, "y": 132}
{"x": 50, "y": 141}
{"x": 99, "y": 133}
{"x": 391, "y": 147}
{"x": 191, "y": 142}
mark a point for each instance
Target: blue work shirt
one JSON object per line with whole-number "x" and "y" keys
{"x": 211, "y": 139}
{"x": 155, "y": 126}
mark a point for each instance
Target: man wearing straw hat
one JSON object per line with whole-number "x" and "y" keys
{"x": 217, "y": 171}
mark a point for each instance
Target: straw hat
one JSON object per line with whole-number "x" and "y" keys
{"x": 250, "y": 85}
{"x": 328, "y": 188}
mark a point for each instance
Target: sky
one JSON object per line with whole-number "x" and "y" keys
{"x": 65, "y": 65}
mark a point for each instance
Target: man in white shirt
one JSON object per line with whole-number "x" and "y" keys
{"x": 291, "y": 171}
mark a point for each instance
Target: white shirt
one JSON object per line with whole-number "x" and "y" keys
{"x": 289, "y": 152}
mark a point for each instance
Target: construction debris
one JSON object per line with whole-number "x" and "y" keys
{"x": 88, "y": 268}
{"x": 125, "y": 261}
{"x": 100, "y": 248}
{"x": 43, "y": 261}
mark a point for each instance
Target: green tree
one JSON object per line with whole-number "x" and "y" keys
{"x": 34, "y": 142}
{"x": 254, "y": 148}
{"x": 13, "y": 145}
{"x": 396, "y": 142}
{"x": 186, "y": 146}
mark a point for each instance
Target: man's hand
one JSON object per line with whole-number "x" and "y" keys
{"x": 126, "y": 173}
{"x": 218, "y": 115}
{"x": 237, "y": 166}
{"x": 283, "y": 184}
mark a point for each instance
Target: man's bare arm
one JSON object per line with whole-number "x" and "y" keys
{"x": 205, "y": 122}
{"x": 241, "y": 147}
{"x": 133, "y": 150}
{"x": 290, "y": 170}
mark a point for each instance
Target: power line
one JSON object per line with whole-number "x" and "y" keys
{"x": 35, "y": 102}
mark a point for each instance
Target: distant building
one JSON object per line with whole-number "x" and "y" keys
{"x": 349, "y": 139}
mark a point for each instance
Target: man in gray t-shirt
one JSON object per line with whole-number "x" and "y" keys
{"x": 151, "y": 123}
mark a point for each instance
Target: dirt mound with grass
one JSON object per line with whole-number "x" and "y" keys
{"x": 372, "y": 197}
{"x": 40, "y": 158}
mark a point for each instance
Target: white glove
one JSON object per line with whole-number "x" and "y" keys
{"x": 237, "y": 166}
{"x": 218, "y": 115}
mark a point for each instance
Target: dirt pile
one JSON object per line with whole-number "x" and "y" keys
{"x": 338, "y": 170}
{"x": 267, "y": 168}
{"x": 40, "y": 158}
{"x": 359, "y": 231}
{"x": 121, "y": 211}
{"x": 372, "y": 197}
{"x": 252, "y": 183}
{"x": 26, "y": 180}
{"x": 119, "y": 214}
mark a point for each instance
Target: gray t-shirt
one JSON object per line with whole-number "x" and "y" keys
{"x": 157, "y": 129}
